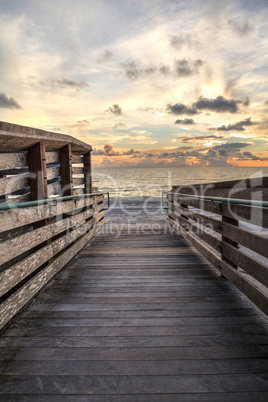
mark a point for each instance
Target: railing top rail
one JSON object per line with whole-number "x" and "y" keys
{"x": 17, "y": 138}
{"x": 253, "y": 203}
{"x": 35, "y": 203}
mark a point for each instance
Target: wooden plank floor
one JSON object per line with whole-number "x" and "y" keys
{"x": 139, "y": 317}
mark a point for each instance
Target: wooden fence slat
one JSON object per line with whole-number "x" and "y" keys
{"x": 18, "y": 245}
{"x": 16, "y": 301}
{"x": 246, "y": 213}
{"x": 251, "y": 240}
{"x": 10, "y": 160}
{"x": 16, "y": 199}
{"x": 13, "y": 218}
{"x": 202, "y": 233}
{"x": 11, "y": 184}
{"x": 15, "y": 274}
{"x": 78, "y": 181}
{"x": 201, "y": 219}
{"x": 52, "y": 157}
{"x": 52, "y": 173}
{"x": 199, "y": 204}
{"x": 252, "y": 290}
{"x": 77, "y": 159}
{"x": 54, "y": 188}
{"x": 248, "y": 263}
{"x": 77, "y": 170}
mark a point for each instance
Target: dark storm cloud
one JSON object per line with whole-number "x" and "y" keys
{"x": 218, "y": 105}
{"x": 239, "y": 126}
{"x": 105, "y": 56}
{"x": 64, "y": 83}
{"x": 186, "y": 68}
{"x": 8, "y": 103}
{"x": 184, "y": 121}
{"x": 180, "y": 109}
{"x": 115, "y": 109}
{"x": 241, "y": 28}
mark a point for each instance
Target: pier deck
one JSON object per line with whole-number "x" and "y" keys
{"x": 139, "y": 317}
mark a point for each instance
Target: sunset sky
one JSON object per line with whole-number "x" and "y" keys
{"x": 146, "y": 83}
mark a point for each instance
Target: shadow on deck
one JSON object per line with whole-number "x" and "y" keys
{"x": 140, "y": 317}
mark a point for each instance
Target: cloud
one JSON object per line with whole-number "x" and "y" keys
{"x": 115, "y": 109}
{"x": 64, "y": 83}
{"x": 105, "y": 57}
{"x": 180, "y": 108}
{"x": 196, "y": 138}
{"x": 249, "y": 156}
{"x": 218, "y": 105}
{"x": 8, "y": 103}
{"x": 181, "y": 40}
{"x": 119, "y": 125}
{"x": 232, "y": 145}
{"x": 186, "y": 68}
{"x": 241, "y": 28}
{"x": 109, "y": 150}
{"x": 182, "y": 68}
{"x": 239, "y": 126}
{"x": 131, "y": 70}
{"x": 184, "y": 121}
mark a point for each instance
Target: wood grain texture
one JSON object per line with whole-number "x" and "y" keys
{"x": 139, "y": 317}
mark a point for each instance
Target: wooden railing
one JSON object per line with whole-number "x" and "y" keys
{"x": 238, "y": 250}
{"x": 32, "y": 254}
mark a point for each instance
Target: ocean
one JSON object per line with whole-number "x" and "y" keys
{"x": 141, "y": 183}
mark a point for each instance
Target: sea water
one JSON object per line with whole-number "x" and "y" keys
{"x": 141, "y": 183}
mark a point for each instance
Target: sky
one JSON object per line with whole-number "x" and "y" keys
{"x": 145, "y": 82}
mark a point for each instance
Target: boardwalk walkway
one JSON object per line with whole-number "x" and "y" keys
{"x": 141, "y": 317}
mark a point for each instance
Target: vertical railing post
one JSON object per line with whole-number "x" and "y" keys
{"x": 37, "y": 171}
{"x": 66, "y": 170}
{"x": 38, "y": 180}
{"x": 225, "y": 239}
{"x": 88, "y": 172}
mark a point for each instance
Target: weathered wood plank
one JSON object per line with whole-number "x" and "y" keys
{"x": 52, "y": 157}
{"x": 135, "y": 385}
{"x": 19, "y": 217}
{"x": 200, "y": 204}
{"x": 54, "y": 189}
{"x": 254, "y": 215}
{"x": 251, "y": 240}
{"x": 52, "y": 173}
{"x": 66, "y": 170}
{"x": 193, "y": 228}
{"x": 252, "y": 290}
{"x": 15, "y": 274}
{"x": 14, "y": 303}
{"x": 11, "y": 184}
{"x": 77, "y": 159}
{"x": 78, "y": 170}
{"x": 78, "y": 181}
{"x": 9, "y": 160}
{"x": 248, "y": 263}
{"x": 87, "y": 173}
{"x": 14, "y": 137}
{"x": 18, "y": 245}
{"x": 201, "y": 219}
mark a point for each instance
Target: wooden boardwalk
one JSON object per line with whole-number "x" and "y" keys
{"x": 139, "y": 317}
